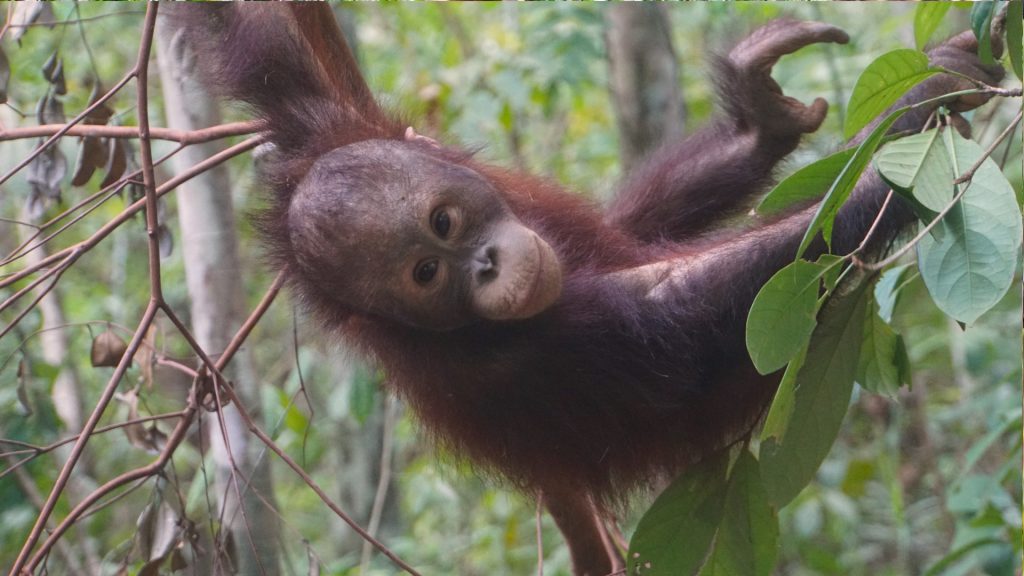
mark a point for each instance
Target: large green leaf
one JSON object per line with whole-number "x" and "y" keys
{"x": 807, "y": 183}
{"x": 746, "y": 542}
{"x": 674, "y": 536}
{"x": 783, "y": 315}
{"x": 927, "y": 17}
{"x": 882, "y": 83}
{"x": 821, "y": 394}
{"x": 919, "y": 165}
{"x": 969, "y": 259}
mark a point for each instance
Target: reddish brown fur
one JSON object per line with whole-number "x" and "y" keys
{"x": 604, "y": 391}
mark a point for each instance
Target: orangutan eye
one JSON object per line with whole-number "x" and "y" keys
{"x": 441, "y": 222}
{"x": 425, "y": 271}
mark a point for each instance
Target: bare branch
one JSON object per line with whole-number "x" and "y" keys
{"x": 174, "y": 440}
{"x": 127, "y": 213}
{"x": 184, "y": 137}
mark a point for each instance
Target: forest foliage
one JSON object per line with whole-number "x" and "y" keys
{"x": 893, "y": 446}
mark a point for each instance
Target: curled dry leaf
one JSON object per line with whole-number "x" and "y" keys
{"x": 158, "y": 534}
{"x": 102, "y": 113}
{"x": 116, "y": 162}
{"x": 44, "y": 176}
{"x": 53, "y": 72}
{"x": 107, "y": 349}
{"x": 26, "y": 13}
{"x": 92, "y": 154}
{"x": 50, "y": 110}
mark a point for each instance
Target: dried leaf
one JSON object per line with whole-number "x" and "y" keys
{"x": 50, "y": 65}
{"x": 116, "y": 162}
{"x": 151, "y": 568}
{"x": 26, "y": 13}
{"x": 92, "y": 155}
{"x": 44, "y": 176}
{"x": 53, "y": 72}
{"x": 148, "y": 438}
{"x": 34, "y": 206}
{"x": 5, "y": 75}
{"x": 50, "y": 110}
{"x": 102, "y": 113}
{"x": 158, "y": 532}
{"x": 59, "y": 86}
{"x": 107, "y": 349}
{"x": 178, "y": 561}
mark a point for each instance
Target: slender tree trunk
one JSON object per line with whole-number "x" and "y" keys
{"x": 643, "y": 78}
{"x": 213, "y": 276}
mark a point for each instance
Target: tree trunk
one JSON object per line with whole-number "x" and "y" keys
{"x": 212, "y": 273}
{"x": 643, "y": 78}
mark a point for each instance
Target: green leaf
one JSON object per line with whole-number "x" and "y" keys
{"x": 846, "y": 181}
{"x": 1015, "y": 37}
{"x": 294, "y": 419}
{"x": 782, "y": 315}
{"x": 887, "y": 290}
{"x": 919, "y": 165}
{"x": 882, "y": 83}
{"x": 884, "y": 365}
{"x": 781, "y": 410}
{"x": 927, "y": 17}
{"x": 674, "y": 535}
{"x": 807, "y": 183}
{"x": 981, "y": 23}
{"x": 747, "y": 540}
{"x": 821, "y": 396}
{"x": 969, "y": 259}
{"x": 833, "y": 270}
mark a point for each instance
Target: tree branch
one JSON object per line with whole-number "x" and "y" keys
{"x": 184, "y": 137}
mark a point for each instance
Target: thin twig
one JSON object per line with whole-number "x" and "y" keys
{"x": 127, "y": 213}
{"x": 76, "y": 452}
{"x": 219, "y": 383}
{"x": 37, "y": 451}
{"x": 132, "y": 132}
{"x": 174, "y": 440}
{"x": 51, "y": 23}
{"x": 147, "y": 319}
{"x": 56, "y": 136}
{"x": 384, "y": 478}
{"x": 97, "y": 198}
{"x": 156, "y": 291}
